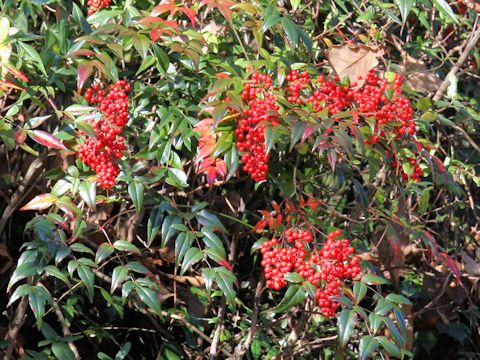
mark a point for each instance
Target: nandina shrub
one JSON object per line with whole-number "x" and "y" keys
{"x": 231, "y": 179}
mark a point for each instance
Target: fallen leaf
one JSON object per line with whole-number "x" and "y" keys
{"x": 472, "y": 5}
{"x": 470, "y": 266}
{"x": 417, "y": 75}
{"x": 353, "y": 61}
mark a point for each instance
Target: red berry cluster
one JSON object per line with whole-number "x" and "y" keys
{"x": 376, "y": 99}
{"x": 261, "y": 111}
{"x": 373, "y": 100}
{"x": 326, "y": 268}
{"x": 95, "y": 5}
{"x": 99, "y": 152}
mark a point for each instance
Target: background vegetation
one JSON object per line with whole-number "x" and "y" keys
{"x": 165, "y": 264}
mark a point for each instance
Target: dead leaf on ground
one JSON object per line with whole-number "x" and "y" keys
{"x": 5, "y": 259}
{"x": 472, "y": 5}
{"x": 353, "y": 61}
{"x": 214, "y": 28}
{"x": 470, "y": 266}
{"x": 418, "y": 76}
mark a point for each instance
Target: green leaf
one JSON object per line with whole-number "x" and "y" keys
{"x": 153, "y": 225}
{"x": 136, "y": 191}
{"x": 37, "y": 301}
{"x": 178, "y": 177}
{"x": 78, "y": 247}
{"x": 225, "y": 279}
{"x": 88, "y": 192}
{"x": 208, "y": 275}
{"x": 368, "y": 345}
{"x": 391, "y": 348}
{"x": 345, "y": 324}
{"x": 103, "y": 252}
{"x": 371, "y": 279}
{"x": 405, "y": 6}
{"x": 297, "y": 133}
{"x": 192, "y": 256}
{"x": 207, "y": 219}
{"x": 55, "y": 272}
{"x": 149, "y": 298}
{"x": 271, "y": 17}
{"x": 398, "y": 299}
{"x": 211, "y": 240}
{"x": 23, "y": 271}
{"x": 424, "y": 201}
{"x": 271, "y": 138}
{"x": 62, "y": 351}
{"x": 294, "y": 277}
{"x": 101, "y": 17}
{"x": 119, "y": 275}
{"x": 359, "y": 291}
{"x": 294, "y": 296}
{"x": 141, "y": 44}
{"x": 375, "y": 322}
{"x": 291, "y": 30}
{"x": 445, "y": 10}
{"x": 122, "y": 245}
{"x": 183, "y": 242}
{"x": 168, "y": 228}
{"x": 34, "y": 55}
{"x": 19, "y": 292}
{"x": 137, "y": 267}
{"x": 86, "y": 275}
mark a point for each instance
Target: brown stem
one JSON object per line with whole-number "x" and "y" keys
{"x": 474, "y": 37}
{"x": 65, "y": 329}
{"x": 15, "y": 326}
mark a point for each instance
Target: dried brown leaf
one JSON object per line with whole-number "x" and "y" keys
{"x": 470, "y": 266}
{"x": 418, "y": 77}
{"x": 353, "y": 61}
{"x": 473, "y": 5}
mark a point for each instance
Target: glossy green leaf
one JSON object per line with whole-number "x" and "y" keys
{"x": 294, "y": 295}
{"x": 103, "y": 252}
{"x": 149, "y": 298}
{"x": 136, "y": 191}
{"x": 368, "y": 345}
{"x": 86, "y": 275}
{"x": 122, "y": 245}
{"x": 225, "y": 280}
{"x": 62, "y": 351}
{"x": 119, "y": 275}
{"x": 88, "y": 192}
{"x": 192, "y": 256}
{"x": 345, "y": 325}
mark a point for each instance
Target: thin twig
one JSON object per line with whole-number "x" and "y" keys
{"x": 15, "y": 326}
{"x": 18, "y": 196}
{"x": 243, "y": 347}
{"x": 474, "y": 37}
{"x": 65, "y": 329}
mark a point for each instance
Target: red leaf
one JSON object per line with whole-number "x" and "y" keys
{"x": 9, "y": 85}
{"x": 259, "y": 226}
{"x": 20, "y": 136}
{"x": 163, "y": 8}
{"x": 224, "y": 6}
{"x": 82, "y": 52}
{"x": 16, "y": 72}
{"x": 47, "y": 139}
{"x": 453, "y": 265}
{"x": 226, "y": 264}
{"x": 40, "y": 202}
{"x": 190, "y": 13}
{"x": 84, "y": 70}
